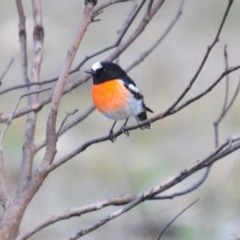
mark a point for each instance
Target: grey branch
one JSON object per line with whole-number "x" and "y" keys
{"x": 160, "y": 39}
{"x": 6, "y": 70}
{"x": 68, "y": 126}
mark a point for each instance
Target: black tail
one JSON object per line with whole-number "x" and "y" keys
{"x": 143, "y": 116}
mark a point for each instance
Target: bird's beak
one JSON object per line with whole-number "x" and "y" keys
{"x": 90, "y": 71}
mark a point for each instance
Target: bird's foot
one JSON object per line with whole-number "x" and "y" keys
{"x": 126, "y": 132}
{"x": 111, "y": 137}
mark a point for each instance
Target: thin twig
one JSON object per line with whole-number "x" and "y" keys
{"x": 129, "y": 128}
{"x": 188, "y": 190}
{"x": 126, "y": 23}
{"x": 107, "y": 4}
{"x": 77, "y": 68}
{"x": 16, "y": 106}
{"x": 216, "y": 39}
{"x": 176, "y": 218}
{"x": 227, "y": 79}
{"x": 216, "y": 122}
{"x": 154, "y": 191}
{"x": 6, "y": 70}
{"x": 68, "y": 126}
{"x": 159, "y": 40}
{"x": 132, "y": 200}
{"x": 69, "y": 87}
{"x": 68, "y": 114}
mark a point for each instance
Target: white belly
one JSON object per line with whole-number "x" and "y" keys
{"x": 133, "y": 108}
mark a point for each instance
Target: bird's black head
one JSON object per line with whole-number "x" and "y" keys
{"x": 105, "y": 71}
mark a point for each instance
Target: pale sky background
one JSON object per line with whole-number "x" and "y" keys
{"x": 147, "y": 158}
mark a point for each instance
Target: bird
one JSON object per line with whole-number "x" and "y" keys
{"x": 116, "y": 95}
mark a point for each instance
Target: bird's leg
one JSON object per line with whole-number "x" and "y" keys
{"x": 123, "y": 130}
{"x": 111, "y": 137}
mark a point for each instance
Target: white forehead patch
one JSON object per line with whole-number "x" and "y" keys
{"x": 96, "y": 66}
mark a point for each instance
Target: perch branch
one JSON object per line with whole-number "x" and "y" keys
{"x": 129, "y": 128}
{"x": 131, "y": 201}
{"x": 145, "y": 196}
{"x": 85, "y": 77}
{"x": 216, "y": 39}
{"x": 76, "y": 69}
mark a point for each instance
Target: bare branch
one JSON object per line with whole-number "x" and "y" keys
{"x": 23, "y": 40}
{"x": 68, "y": 126}
{"x": 6, "y": 70}
{"x": 68, "y": 114}
{"x": 76, "y": 69}
{"x": 186, "y": 191}
{"x": 129, "y": 128}
{"x": 216, "y": 39}
{"x": 133, "y": 200}
{"x": 227, "y": 79}
{"x": 51, "y": 137}
{"x": 176, "y": 218}
{"x": 28, "y": 144}
{"x": 5, "y": 195}
{"x": 226, "y": 106}
{"x": 159, "y": 40}
{"x": 115, "y": 44}
{"x": 140, "y": 28}
{"x": 154, "y": 191}
{"x": 76, "y": 212}
{"x": 85, "y": 77}
{"x": 107, "y": 4}
{"x": 16, "y": 106}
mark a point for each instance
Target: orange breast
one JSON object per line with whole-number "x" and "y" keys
{"x": 110, "y": 96}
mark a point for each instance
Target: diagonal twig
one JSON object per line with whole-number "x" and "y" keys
{"x": 145, "y": 196}
{"x": 132, "y": 200}
{"x": 16, "y": 106}
{"x": 68, "y": 126}
{"x": 69, "y": 87}
{"x": 185, "y": 209}
{"x": 77, "y": 68}
{"x": 160, "y": 39}
{"x": 129, "y": 128}
{"x": 216, "y": 39}
{"x": 68, "y": 114}
{"x": 6, "y": 70}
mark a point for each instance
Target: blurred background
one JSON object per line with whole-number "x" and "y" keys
{"x": 147, "y": 158}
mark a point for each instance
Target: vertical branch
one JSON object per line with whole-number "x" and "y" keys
{"x": 23, "y": 40}
{"x": 28, "y": 145}
{"x": 51, "y": 137}
{"x": 226, "y": 105}
{"x": 5, "y": 195}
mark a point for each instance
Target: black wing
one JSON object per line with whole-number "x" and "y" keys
{"x": 131, "y": 86}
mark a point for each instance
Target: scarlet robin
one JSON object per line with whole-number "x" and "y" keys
{"x": 116, "y": 95}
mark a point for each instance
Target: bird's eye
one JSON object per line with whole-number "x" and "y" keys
{"x": 104, "y": 70}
